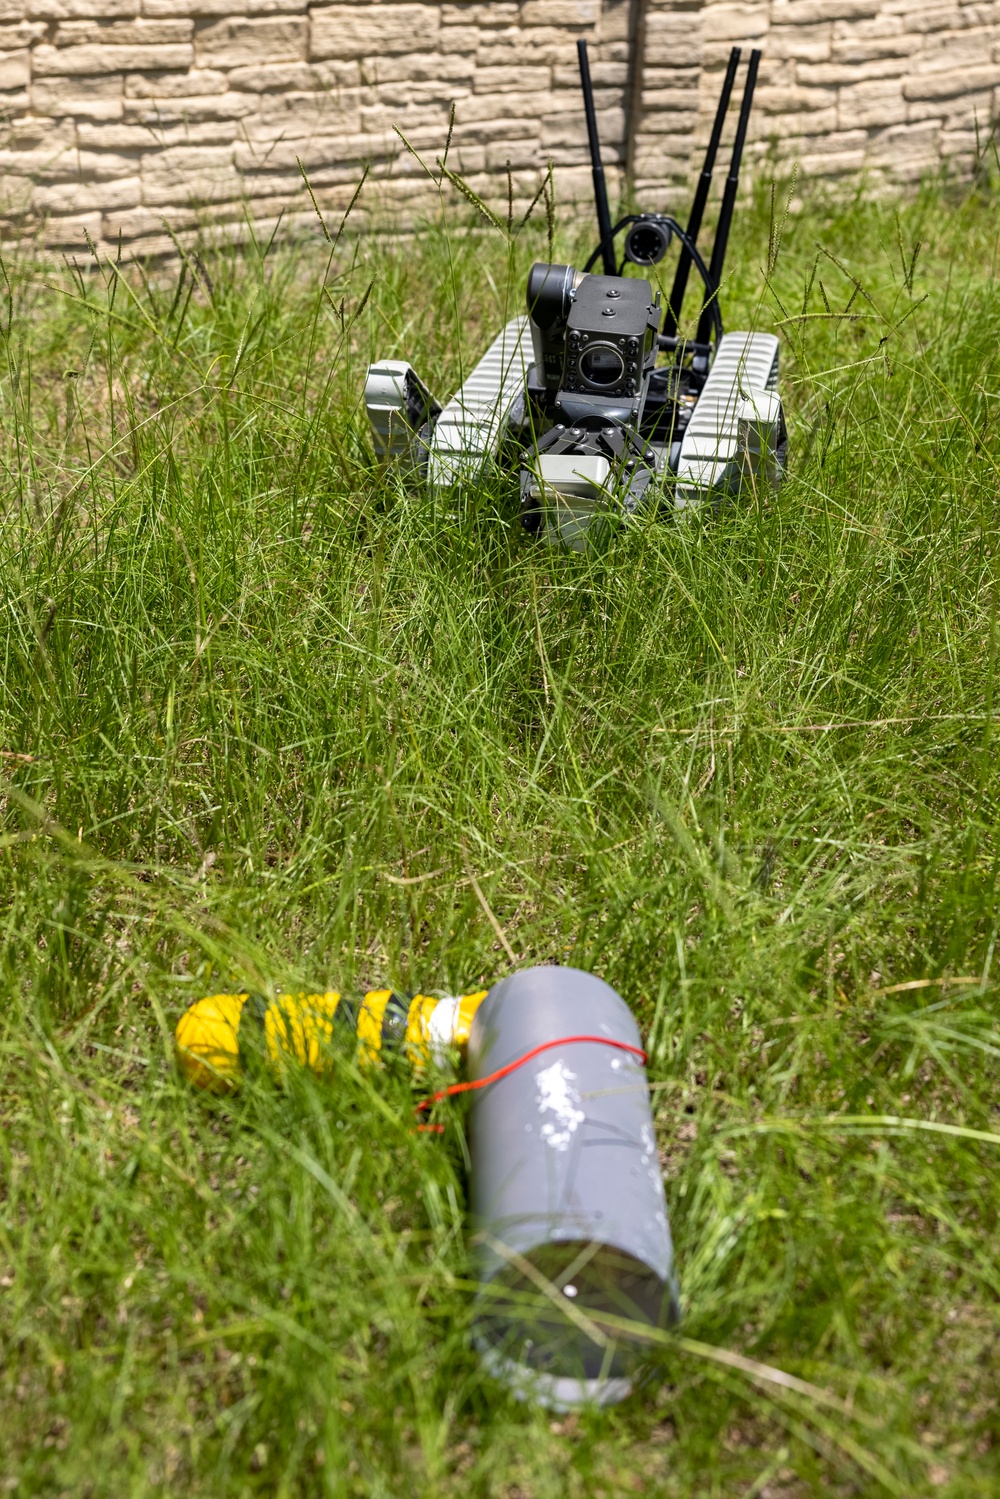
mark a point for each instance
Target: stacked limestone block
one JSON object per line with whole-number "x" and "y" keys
{"x": 893, "y": 88}
{"x": 123, "y": 114}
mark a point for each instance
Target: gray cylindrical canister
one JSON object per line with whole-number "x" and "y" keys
{"x": 569, "y": 1216}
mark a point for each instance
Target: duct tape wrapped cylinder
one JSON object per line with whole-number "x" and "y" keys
{"x": 569, "y": 1216}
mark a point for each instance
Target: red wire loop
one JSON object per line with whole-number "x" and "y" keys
{"x": 494, "y": 1077}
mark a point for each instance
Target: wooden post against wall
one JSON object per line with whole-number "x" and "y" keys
{"x": 633, "y": 87}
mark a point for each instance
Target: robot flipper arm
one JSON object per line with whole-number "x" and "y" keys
{"x": 400, "y": 407}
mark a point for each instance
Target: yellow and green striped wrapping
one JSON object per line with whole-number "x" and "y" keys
{"x": 298, "y": 1028}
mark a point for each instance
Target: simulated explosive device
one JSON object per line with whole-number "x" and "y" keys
{"x": 568, "y": 1219}
{"x": 595, "y": 395}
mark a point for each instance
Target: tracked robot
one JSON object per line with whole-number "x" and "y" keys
{"x": 596, "y": 397}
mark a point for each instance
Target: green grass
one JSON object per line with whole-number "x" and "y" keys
{"x": 744, "y": 768}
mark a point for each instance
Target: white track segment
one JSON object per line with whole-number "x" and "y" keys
{"x": 469, "y": 429}
{"x": 710, "y": 458}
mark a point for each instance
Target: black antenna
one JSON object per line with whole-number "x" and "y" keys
{"x": 673, "y": 313}
{"x": 729, "y": 199}
{"x": 600, "y": 188}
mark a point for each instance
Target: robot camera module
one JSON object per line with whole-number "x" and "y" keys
{"x": 594, "y": 394}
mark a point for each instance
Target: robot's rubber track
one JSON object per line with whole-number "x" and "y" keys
{"x": 468, "y": 431}
{"x": 745, "y": 362}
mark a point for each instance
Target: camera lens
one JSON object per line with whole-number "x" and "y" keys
{"x": 646, "y": 243}
{"x": 601, "y": 365}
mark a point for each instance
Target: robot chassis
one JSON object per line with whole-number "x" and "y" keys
{"x": 601, "y": 407}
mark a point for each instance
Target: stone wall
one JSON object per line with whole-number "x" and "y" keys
{"x": 123, "y": 114}
{"x": 894, "y": 87}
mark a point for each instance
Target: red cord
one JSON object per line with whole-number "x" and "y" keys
{"x": 494, "y": 1077}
